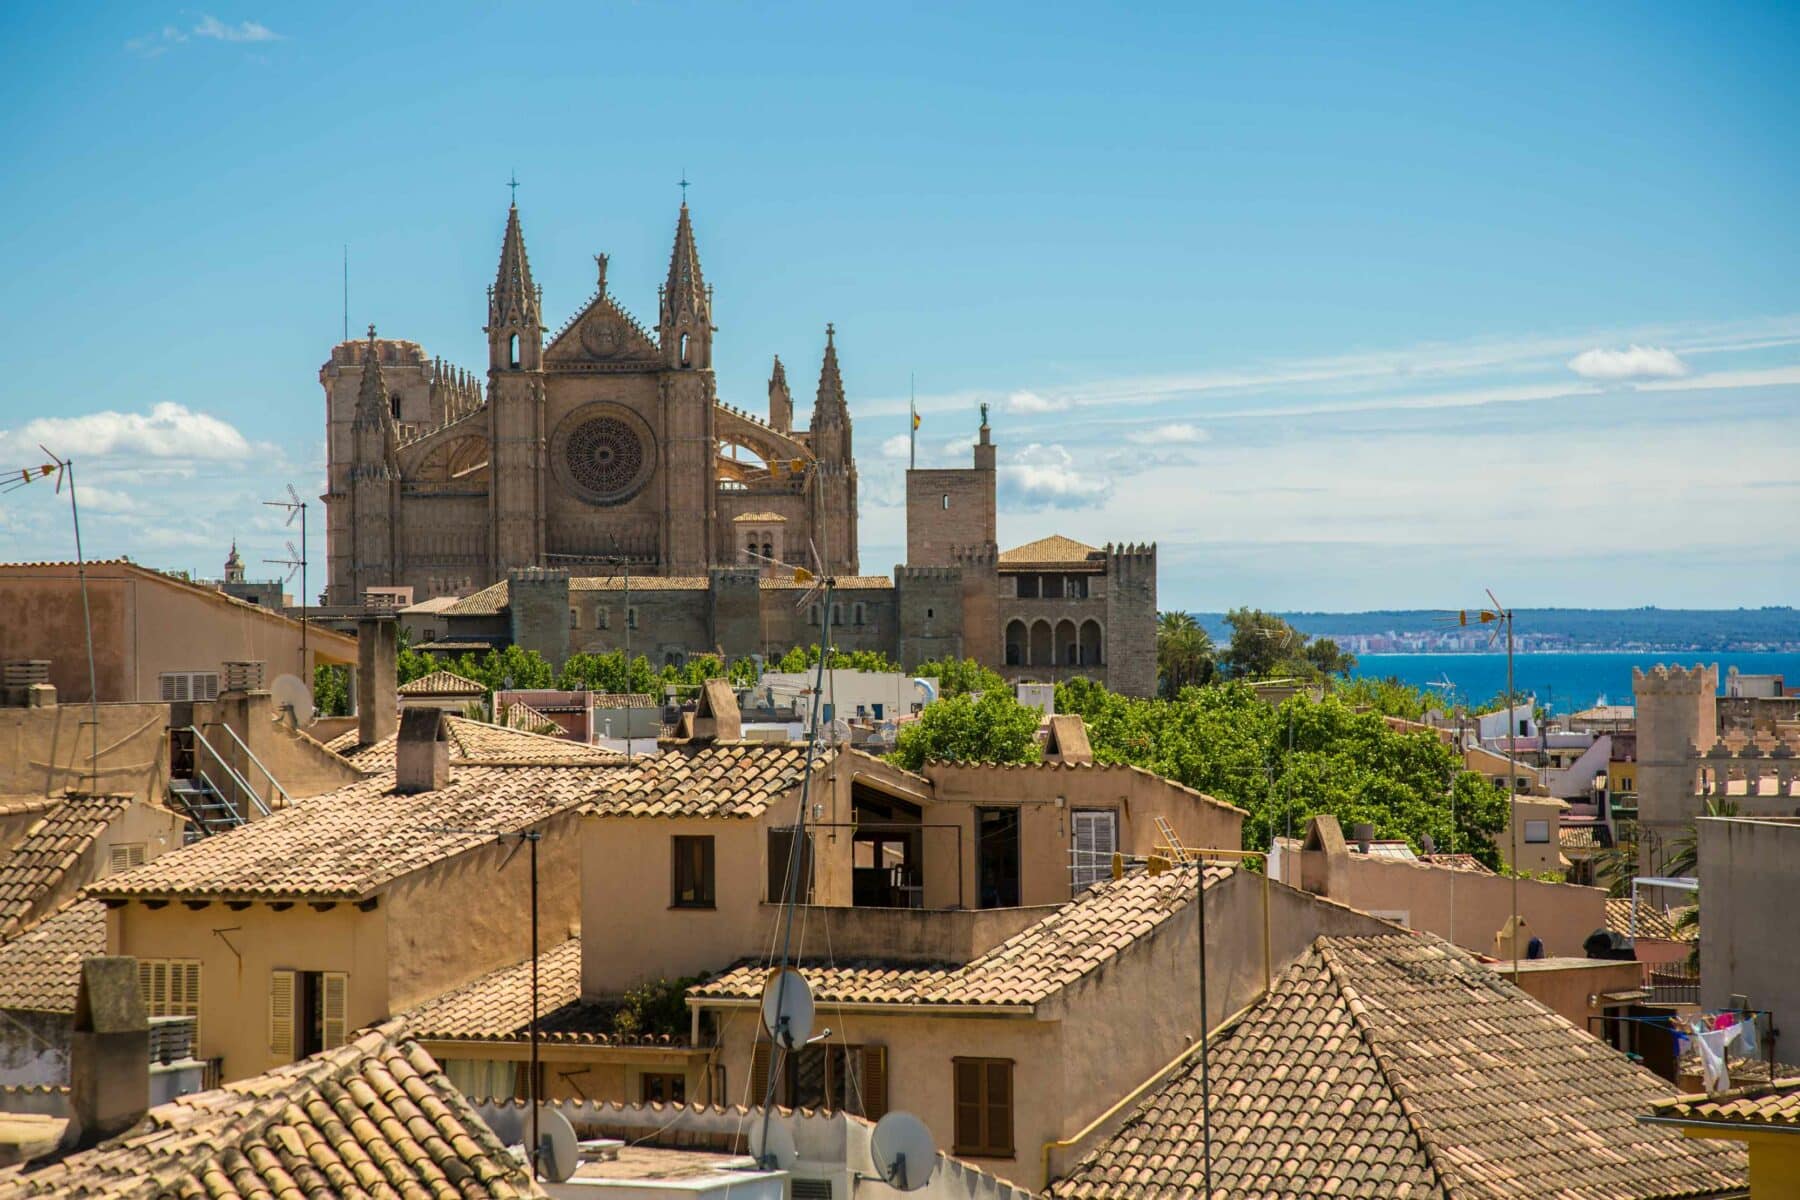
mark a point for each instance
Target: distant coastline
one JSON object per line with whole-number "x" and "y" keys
{"x": 1621, "y": 631}
{"x": 1565, "y": 680}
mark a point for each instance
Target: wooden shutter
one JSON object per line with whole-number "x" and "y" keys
{"x": 968, "y": 1107}
{"x": 334, "y": 988}
{"x": 874, "y": 1082}
{"x": 759, "y": 1071}
{"x": 281, "y": 1014}
{"x": 147, "y": 973}
{"x": 999, "y": 1106}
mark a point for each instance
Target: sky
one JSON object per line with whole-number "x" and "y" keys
{"x": 1343, "y": 307}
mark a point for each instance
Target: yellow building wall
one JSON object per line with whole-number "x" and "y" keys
{"x": 47, "y": 751}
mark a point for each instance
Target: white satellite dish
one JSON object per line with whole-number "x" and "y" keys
{"x": 905, "y": 1156}
{"x": 787, "y": 1009}
{"x": 558, "y": 1154}
{"x": 772, "y": 1144}
{"x": 290, "y": 691}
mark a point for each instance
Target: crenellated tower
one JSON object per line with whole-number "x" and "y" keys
{"x": 684, "y": 333}
{"x": 1677, "y": 721}
{"x": 374, "y": 479}
{"x": 834, "y": 474}
{"x": 515, "y": 332}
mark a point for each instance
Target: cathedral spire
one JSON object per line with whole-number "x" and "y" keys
{"x": 781, "y": 401}
{"x": 831, "y": 415}
{"x": 515, "y": 313}
{"x": 831, "y": 381}
{"x": 685, "y": 321}
{"x": 373, "y": 427}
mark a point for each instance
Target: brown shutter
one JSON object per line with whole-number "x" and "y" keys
{"x": 759, "y": 1071}
{"x": 334, "y": 987}
{"x": 968, "y": 1107}
{"x": 1000, "y": 1107}
{"x": 874, "y": 1082}
{"x": 281, "y": 1014}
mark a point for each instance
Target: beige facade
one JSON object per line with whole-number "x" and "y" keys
{"x": 149, "y": 629}
{"x": 1747, "y": 931}
{"x": 1534, "y": 836}
{"x": 1466, "y": 907}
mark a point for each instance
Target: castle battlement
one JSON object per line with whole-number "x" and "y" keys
{"x": 979, "y": 555}
{"x": 1664, "y": 680}
{"x": 537, "y": 575}
{"x": 921, "y": 574}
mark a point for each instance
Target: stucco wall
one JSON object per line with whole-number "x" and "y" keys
{"x": 1747, "y": 933}
{"x": 47, "y": 751}
{"x": 237, "y": 951}
{"x": 1564, "y": 984}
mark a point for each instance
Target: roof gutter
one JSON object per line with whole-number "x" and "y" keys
{"x": 1734, "y": 1128}
{"x": 877, "y": 1007}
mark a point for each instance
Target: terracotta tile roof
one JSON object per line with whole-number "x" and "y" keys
{"x": 1053, "y": 551}
{"x": 622, "y": 700}
{"x": 476, "y": 742}
{"x": 349, "y": 844}
{"x": 442, "y": 683}
{"x": 719, "y": 779}
{"x": 845, "y": 583}
{"x": 38, "y": 968}
{"x": 1400, "y": 1066}
{"x": 523, "y": 717}
{"x": 1101, "y": 768}
{"x": 1765, "y": 1106}
{"x": 1025, "y": 969}
{"x": 1653, "y": 921}
{"x": 1577, "y": 837}
{"x": 488, "y": 602}
{"x": 53, "y": 846}
{"x": 1457, "y": 862}
{"x": 761, "y": 518}
{"x": 374, "y": 1117}
{"x": 497, "y": 1008}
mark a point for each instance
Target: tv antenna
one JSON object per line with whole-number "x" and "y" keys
{"x": 296, "y": 560}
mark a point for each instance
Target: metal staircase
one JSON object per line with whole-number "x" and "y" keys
{"x": 209, "y": 808}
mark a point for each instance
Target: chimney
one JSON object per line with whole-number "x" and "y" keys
{"x": 109, "y": 1053}
{"x": 377, "y": 691}
{"x": 422, "y": 757}
{"x": 1365, "y": 834}
{"x": 716, "y": 716}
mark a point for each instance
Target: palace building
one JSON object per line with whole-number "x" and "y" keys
{"x": 605, "y": 450}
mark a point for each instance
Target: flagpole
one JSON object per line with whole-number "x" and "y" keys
{"x": 912, "y": 424}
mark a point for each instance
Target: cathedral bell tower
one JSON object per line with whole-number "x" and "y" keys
{"x": 834, "y": 474}
{"x": 374, "y": 480}
{"x": 515, "y": 332}
{"x": 689, "y": 440}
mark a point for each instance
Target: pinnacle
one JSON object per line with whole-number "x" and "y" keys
{"x": 831, "y": 380}
{"x": 512, "y": 285}
{"x": 685, "y": 290}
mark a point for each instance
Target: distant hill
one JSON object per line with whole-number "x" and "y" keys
{"x": 1584, "y": 628}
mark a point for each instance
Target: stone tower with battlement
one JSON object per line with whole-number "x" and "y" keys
{"x": 604, "y": 445}
{"x": 1677, "y": 719}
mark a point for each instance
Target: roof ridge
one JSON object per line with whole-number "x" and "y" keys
{"x": 1402, "y": 1092}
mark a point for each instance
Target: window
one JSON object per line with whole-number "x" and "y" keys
{"x": 1537, "y": 831}
{"x": 171, "y": 988}
{"x": 396, "y": 406}
{"x": 781, "y": 860}
{"x": 812, "y": 615}
{"x": 859, "y": 614}
{"x": 831, "y": 1076}
{"x": 631, "y": 618}
{"x": 308, "y": 1012}
{"x": 125, "y": 856}
{"x": 946, "y": 501}
{"x": 574, "y": 618}
{"x": 602, "y": 618}
{"x": 179, "y": 687}
{"x": 659, "y": 1087}
{"x": 984, "y": 1116}
{"x": 693, "y": 886}
{"x": 1096, "y": 840}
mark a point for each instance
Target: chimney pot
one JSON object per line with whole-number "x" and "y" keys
{"x": 422, "y": 757}
{"x": 377, "y": 689}
{"x": 109, "y": 1053}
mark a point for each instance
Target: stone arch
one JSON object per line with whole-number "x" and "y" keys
{"x": 1093, "y": 643}
{"x": 452, "y": 458}
{"x": 1017, "y": 642}
{"x": 1068, "y": 646}
{"x": 1043, "y": 645}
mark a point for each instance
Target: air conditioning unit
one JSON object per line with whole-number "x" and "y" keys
{"x": 181, "y": 687}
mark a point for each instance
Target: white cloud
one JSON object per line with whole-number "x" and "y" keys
{"x": 1044, "y": 476}
{"x": 1032, "y": 402}
{"x": 167, "y": 431}
{"x": 1178, "y": 433}
{"x": 1634, "y": 362}
{"x": 896, "y": 446}
{"x": 243, "y": 31}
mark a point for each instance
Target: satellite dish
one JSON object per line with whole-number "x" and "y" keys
{"x": 787, "y": 1009}
{"x": 772, "y": 1144}
{"x": 557, "y": 1152}
{"x": 290, "y": 691}
{"x": 905, "y": 1156}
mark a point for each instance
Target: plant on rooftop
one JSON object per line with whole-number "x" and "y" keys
{"x": 655, "y": 1009}
{"x": 801, "y": 658}
{"x": 995, "y": 728}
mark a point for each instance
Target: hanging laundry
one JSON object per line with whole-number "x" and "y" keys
{"x": 1711, "y": 1044}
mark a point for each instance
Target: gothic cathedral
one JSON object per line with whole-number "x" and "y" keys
{"x": 605, "y": 448}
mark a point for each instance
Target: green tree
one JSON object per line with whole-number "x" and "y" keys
{"x": 331, "y": 691}
{"x": 1327, "y": 658}
{"x": 1389, "y": 697}
{"x": 512, "y": 667}
{"x": 995, "y": 728}
{"x": 1262, "y": 644}
{"x": 804, "y": 658}
{"x": 1185, "y": 655}
{"x": 960, "y": 676}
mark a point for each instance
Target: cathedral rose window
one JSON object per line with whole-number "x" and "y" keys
{"x": 604, "y": 453}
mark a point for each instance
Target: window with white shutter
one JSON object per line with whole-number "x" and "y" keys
{"x": 1096, "y": 841}
{"x": 281, "y": 1014}
{"x": 171, "y": 988}
{"x": 123, "y": 856}
{"x": 179, "y": 687}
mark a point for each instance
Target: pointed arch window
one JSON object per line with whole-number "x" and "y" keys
{"x": 512, "y": 352}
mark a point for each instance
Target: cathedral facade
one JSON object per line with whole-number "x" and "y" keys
{"x": 602, "y": 448}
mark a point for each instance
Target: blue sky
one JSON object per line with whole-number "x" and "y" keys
{"x": 1344, "y": 307}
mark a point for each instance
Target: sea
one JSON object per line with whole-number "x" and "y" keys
{"x": 1566, "y": 682}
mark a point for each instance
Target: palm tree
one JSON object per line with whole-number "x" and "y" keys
{"x": 1185, "y": 654}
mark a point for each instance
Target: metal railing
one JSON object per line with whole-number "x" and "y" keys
{"x": 248, "y": 797}
{"x": 274, "y": 783}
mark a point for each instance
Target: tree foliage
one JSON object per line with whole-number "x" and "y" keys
{"x": 993, "y": 728}
{"x": 1283, "y": 764}
{"x": 1185, "y": 654}
{"x": 961, "y": 676}
{"x": 804, "y": 658}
